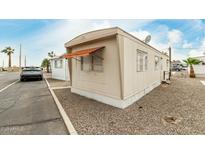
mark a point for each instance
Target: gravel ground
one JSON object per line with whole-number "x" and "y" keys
{"x": 58, "y": 83}
{"x": 178, "y": 108}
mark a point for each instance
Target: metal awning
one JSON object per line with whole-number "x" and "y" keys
{"x": 83, "y": 53}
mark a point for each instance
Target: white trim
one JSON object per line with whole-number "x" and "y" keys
{"x": 116, "y": 102}
{"x": 203, "y": 82}
{"x": 8, "y": 86}
{"x": 65, "y": 117}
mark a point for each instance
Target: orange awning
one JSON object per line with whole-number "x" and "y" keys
{"x": 82, "y": 53}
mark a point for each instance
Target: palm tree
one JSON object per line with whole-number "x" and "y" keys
{"x": 51, "y": 54}
{"x": 46, "y": 63}
{"x": 8, "y": 51}
{"x": 190, "y": 62}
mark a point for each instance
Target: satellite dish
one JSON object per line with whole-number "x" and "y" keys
{"x": 147, "y": 39}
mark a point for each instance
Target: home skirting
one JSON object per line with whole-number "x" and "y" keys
{"x": 116, "y": 102}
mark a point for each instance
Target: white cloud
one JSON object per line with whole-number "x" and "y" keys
{"x": 175, "y": 36}
{"x": 53, "y": 37}
{"x": 194, "y": 53}
{"x": 141, "y": 34}
{"x": 177, "y": 55}
{"x": 197, "y": 24}
{"x": 198, "y": 52}
{"x": 187, "y": 45}
{"x": 104, "y": 24}
{"x": 203, "y": 43}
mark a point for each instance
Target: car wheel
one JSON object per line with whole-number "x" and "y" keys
{"x": 21, "y": 80}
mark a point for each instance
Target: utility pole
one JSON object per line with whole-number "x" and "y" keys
{"x": 170, "y": 62}
{"x": 20, "y": 57}
{"x": 25, "y": 61}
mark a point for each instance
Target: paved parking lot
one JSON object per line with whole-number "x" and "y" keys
{"x": 28, "y": 108}
{"x": 7, "y": 78}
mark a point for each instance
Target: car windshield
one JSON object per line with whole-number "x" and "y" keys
{"x": 32, "y": 69}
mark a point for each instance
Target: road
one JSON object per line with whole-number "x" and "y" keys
{"x": 28, "y": 108}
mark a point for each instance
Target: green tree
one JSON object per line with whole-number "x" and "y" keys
{"x": 8, "y": 51}
{"x": 190, "y": 62}
{"x": 45, "y": 63}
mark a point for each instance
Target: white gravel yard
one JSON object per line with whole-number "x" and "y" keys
{"x": 178, "y": 108}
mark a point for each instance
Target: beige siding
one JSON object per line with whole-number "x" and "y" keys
{"x": 135, "y": 82}
{"x": 120, "y": 79}
{"x": 106, "y": 83}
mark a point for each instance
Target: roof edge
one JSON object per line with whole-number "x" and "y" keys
{"x": 117, "y": 32}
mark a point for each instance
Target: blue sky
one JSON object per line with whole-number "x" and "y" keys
{"x": 38, "y": 37}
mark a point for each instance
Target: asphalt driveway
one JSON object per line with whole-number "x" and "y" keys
{"x": 28, "y": 108}
{"x": 7, "y": 78}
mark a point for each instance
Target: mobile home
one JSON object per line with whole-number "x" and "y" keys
{"x": 59, "y": 68}
{"x": 114, "y": 67}
{"x": 199, "y": 69}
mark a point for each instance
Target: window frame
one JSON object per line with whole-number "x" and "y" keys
{"x": 156, "y": 65}
{"x": 92, "y": 61}
{"x": 58, "y": 63}
{"x": 141, "y": 62}
{"x": 167, "y": 63}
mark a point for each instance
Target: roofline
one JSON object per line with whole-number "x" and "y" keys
{"x": 91, "y": 32}
{"x": 57, "y": 57}
{"x": 140, "y": 40}
{"x": 117, "y": 28}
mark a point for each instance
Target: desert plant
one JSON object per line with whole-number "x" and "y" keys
{"x": 8, "y": 51}
{"x": 190, "y": 62}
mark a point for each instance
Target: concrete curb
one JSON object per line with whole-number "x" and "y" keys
{"x": 8, "y": 86}
{"x": 65, "y": 117}
{"x": 60, "y": 87}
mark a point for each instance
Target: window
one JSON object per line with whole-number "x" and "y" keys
{"x": 93, "y": 62}
{"x": 55, "y": 63}
{"x": 167, "y": 63}
{"x": 146, "y": 62}
{"x": 156, "y": 62}
{"x": 142, "y": 61}
{"x": 161, "y": 63}
{"x": 86, "y": 63}
{"x": 58, "y": 63}
{"x": 61, "y": 64}
{"x": 97, "y": 62}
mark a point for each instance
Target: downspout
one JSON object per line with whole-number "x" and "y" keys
{"x": 170, "y": 60}
{"x": 120, "y": 68}
{"x": 70, "y": 66}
